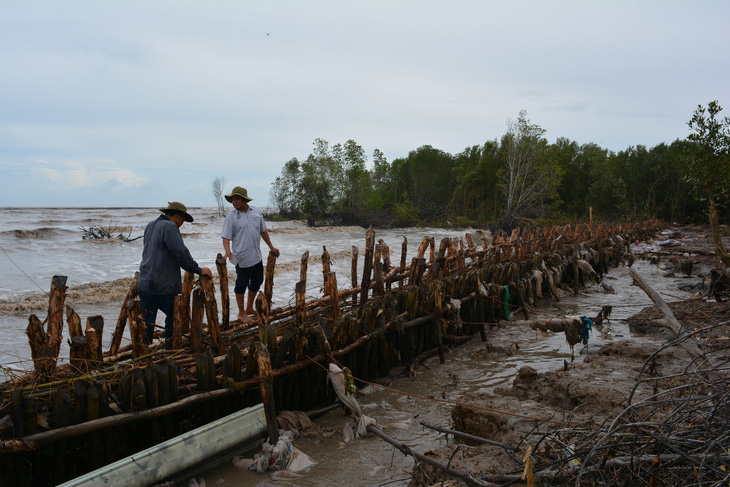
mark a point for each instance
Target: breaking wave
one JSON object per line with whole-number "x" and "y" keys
{"x": 297, "y": 230}
{"x": 107, "y": 292}
{"x": 37, "y": 233}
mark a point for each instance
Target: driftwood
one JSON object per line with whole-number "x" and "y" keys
{"x": 466, "y": 436}
{"x": 406, "y": 450}
{"x": 670, "y": 321}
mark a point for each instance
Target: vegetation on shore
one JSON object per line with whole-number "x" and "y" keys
{"x": 512, "y": 180}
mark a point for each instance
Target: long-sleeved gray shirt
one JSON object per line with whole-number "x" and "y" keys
{"x": 163, "y": 255}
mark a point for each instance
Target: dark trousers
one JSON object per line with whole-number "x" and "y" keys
{"x": 150, "y": 304}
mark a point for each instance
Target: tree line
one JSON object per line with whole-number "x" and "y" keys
{"x": 514, "y": 180}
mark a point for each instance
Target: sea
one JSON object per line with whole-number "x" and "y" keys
{"x": 39, "y": 243}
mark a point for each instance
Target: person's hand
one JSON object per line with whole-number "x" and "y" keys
{"x": 229, "y": 255}
{"x": 206, "y": 272}
{"x": 275, "y": 251}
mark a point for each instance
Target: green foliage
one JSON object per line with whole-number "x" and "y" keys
{"x": 405, "y": 213}
{"x": 427, "y": 176}
{"x": 708, "y": 155}
{"x": 516, "y": 178}
{"x": 530, "y": 176}
{"x": 708, "y": 164}
{"x": 476, "y": 191}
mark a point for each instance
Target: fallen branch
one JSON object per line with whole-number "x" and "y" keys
{"x": 406, "y": 450}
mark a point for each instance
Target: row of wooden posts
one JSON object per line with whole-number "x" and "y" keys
{"x": 198, "y": 300}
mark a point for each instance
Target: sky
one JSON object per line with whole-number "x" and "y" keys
{"x": 138, "y": 103}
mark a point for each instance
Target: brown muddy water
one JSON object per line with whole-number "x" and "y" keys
{"x": 474, "y": 367}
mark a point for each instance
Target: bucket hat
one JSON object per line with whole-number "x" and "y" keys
{"x": 238, "y": 191}
{"x": 177, "y": 207}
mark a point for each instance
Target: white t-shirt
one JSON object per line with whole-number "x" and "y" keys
{"x": 243, "y": 229}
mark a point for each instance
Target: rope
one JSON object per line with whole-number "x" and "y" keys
{"x": 21, "y": 270}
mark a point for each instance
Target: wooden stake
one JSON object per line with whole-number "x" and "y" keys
{"x": 79, "y": 353}
{"x": 367, "y": 265}
{"x": 378, "y": 268}
{"x": 301, "y": 289}
{"x": 330, "y": 289}
{"x": 303, "y": 269}
{"x": 94, "y": 332}
{"x": 211, "y": 312}
{"x": 403, "y": 252}
{"x": 353, "y": 273}
{"x": 177, "y": 329}
{"x": 266, "y": 381}
{"x": 187, "y": 291}
{"x": 196, "y": 321}
{"x": 123, "y": 316}
{"x": 385, "y": 255}
{"x": 220, "y": 263}
{"x": 269, "y": 283}
{"x": 326, "y": 264}
{"x": 137, "y": 329}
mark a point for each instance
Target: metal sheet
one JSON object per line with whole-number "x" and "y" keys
{"x": 161, "y": 461}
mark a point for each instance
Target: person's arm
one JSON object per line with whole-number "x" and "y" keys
{"x": 267, "y": 239}
{"x": 227, "y": 248}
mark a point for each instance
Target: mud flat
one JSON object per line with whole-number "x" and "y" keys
{"x": 638, "y": 410}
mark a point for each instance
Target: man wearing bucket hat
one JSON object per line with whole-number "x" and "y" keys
{"x": 242, "y": 232}
{"x": 163, "y": 255}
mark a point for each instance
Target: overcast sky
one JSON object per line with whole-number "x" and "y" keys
{"x": 137, "y": 103}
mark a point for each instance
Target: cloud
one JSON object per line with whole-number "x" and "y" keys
{"x": 86, "y": 173}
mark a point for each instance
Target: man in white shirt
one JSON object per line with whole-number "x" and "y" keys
{"x": 242, "y": 232}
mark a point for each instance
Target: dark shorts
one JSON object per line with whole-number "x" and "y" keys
{"x": 249, "y": 277}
